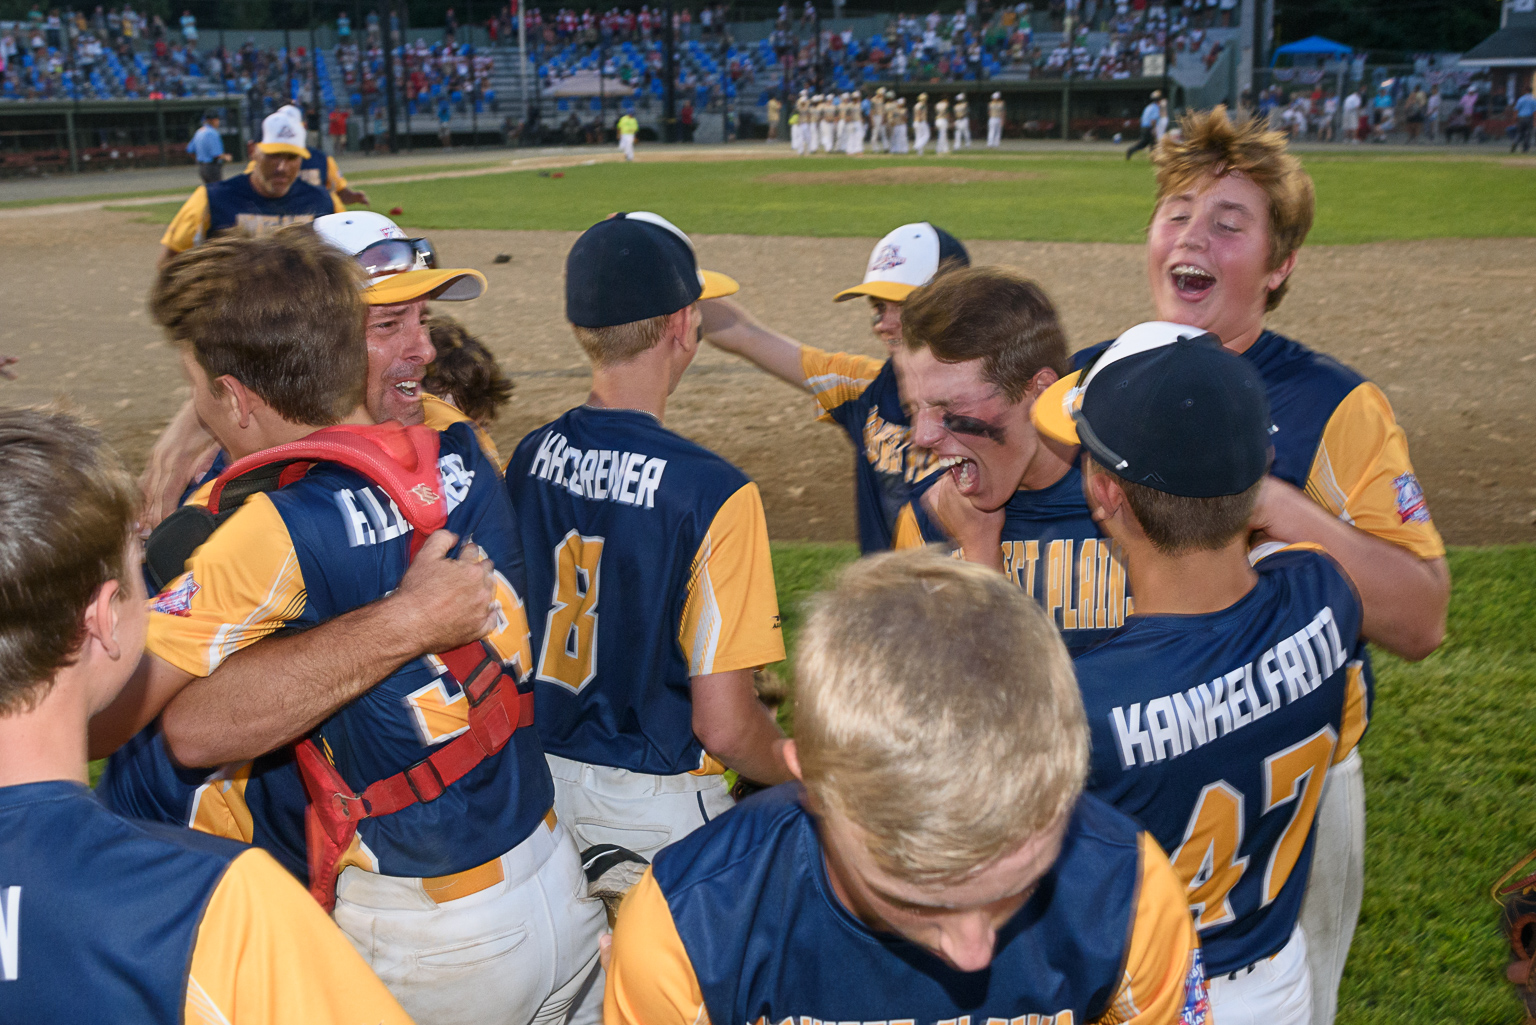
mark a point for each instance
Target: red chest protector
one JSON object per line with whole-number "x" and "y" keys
{"x": 403, "y": 462}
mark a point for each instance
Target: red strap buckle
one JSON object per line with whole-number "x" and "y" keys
{"x": 425, "y": 781}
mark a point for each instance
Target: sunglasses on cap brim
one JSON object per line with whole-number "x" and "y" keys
{"x": 396, "y": 256}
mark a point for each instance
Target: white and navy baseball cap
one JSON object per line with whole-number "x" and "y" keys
{"x": 282, "y": 133}
{"x": 400, "y": 269}
{"x": 906, "y": 260}
{"x": 635, "y": 266}
{"x": 1165, "y": 406}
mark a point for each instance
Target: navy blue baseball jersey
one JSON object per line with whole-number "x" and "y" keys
{"x": 738, "y": 922}
{"x": 294, "y": 558}
{"x": 1216, "y": 732}
{"x": 107, "y": 919}
{"x": 234, "y": 204}
{"x": 648, "y": 565}
{"x": 860, "y": 395}
{"x": 1053, "y": 549}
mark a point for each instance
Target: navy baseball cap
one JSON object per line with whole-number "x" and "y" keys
{"x": 1165, "y": 406}
{"x": 635, "y": 266}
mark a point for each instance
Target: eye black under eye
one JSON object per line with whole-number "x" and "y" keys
{"x": 971, "y": 426}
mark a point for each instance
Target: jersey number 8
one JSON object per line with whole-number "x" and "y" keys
{"x": 1208, "y": 862}
{"x": 569, "y": 655}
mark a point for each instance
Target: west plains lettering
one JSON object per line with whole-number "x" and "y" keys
{"x": 598, "y": 474}
{"x": 1183, "y": 721}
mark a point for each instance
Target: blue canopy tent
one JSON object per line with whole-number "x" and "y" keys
{"x": 1312, "y": 46}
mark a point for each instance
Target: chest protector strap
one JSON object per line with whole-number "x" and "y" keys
{"x": 403, "y": 462}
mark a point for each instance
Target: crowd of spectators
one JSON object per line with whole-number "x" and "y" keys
{"x": 102, "y": 54}
{"x": 439, "y": 79}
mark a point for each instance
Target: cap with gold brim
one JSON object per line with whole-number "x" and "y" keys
{"x": 445, "y": 284}
{"x": 282, "y": 134}
{"x": 717, "y": 285}
{"x": 890, "y": 291}
{"x": 1053, "y": 412}
{"x": 906, "y": 260}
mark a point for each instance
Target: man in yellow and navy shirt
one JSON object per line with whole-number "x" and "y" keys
{"x": 859, "y": 393}
{"x": 104, "y": 918}
{"x": 320, "y": 168}
{"x": 650, "y": 584}
{"x": 268, "y": 196}
{"x": 938, "y": 862}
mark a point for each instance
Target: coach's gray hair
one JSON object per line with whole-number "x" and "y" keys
{"x": 936, "y": 709}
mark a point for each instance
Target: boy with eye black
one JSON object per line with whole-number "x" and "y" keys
{"x": 981, "y": 345}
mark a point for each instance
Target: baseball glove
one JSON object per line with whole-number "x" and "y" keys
{"x": 1515, "y": 893}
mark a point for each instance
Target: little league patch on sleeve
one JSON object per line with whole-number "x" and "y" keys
{"x": 1197, "y": 993}
{"x": 1411, "y": 506}
{"x": 178, "y": 600}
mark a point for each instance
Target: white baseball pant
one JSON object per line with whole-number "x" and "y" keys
{"x": 637, "y": 811}
{"x": 994, "y": 132}
{"x": 627, "y": 146}
{"x": 942, "y": 124}
{"x": 1331, "y": 907}
{"x": 1275, "y": 991}
{"x": 920, "y": 134}
{"x": 518, "y": 952}
{"x": 962, "y": 133}
{"x": 898, "y": 136}
{"x": 827, "y": 130}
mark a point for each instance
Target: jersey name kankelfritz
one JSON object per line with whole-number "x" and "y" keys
{"x": 1184, "y": 721}
{"x": 598, "y": 474}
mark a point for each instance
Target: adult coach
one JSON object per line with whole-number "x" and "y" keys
{"x": 859, "y": 393}
{"x": 939, "y": 862}
{"x": 257, "y": 202}
{"x": 318, "y": 168}
{"x": 1149, "y": 115}
{"x": 651, "y": 590}
{"x": 207, "y": 149}
{"x": 1219, "y": 710}
{"x": 104, "y": 918}
{"x": 1233, "y": 208}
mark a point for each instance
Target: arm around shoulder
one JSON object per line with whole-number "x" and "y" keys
{"x": 727, "y": 325}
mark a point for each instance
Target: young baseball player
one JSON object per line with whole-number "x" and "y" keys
{"x": 1219, "y": 710}
{"x": 651, "y": 587}
{"x": 427, "y": 821}
{"x": 897, "y": 129}
{"x": 859, "y": 393}
{"x": 981, "y": 346}
{"x": 319, "y": 168}
{"x": 941, "y": 124}
{"x": 962, "y": 122}
{"x": 827, "y": 117}
{"x": 262, "y": 200}
{"x": 995, "y": 110}
{"x": 920, "y": 127}
{"x": 1233, "y": 208}
{"x": 103, "y": 918}
{"x": 877, "y": 119}
{"x": 627, "y": 128}
{"x": 938, "y": 862}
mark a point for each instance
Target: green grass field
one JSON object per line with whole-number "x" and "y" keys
{"x": 1065, "y": 198}
{"x": 1449, "y": 783}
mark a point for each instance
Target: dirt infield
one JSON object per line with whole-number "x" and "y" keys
{"x": 1443, "y": 326}
{"x": 896, "y": 176}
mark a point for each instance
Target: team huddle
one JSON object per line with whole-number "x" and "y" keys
{"x": 1077, "y": 740}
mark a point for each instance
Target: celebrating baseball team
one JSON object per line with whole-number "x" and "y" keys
{"x": 1077, "y": 740}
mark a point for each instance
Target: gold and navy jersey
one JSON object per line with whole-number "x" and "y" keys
{"x": 1216, "y": 732}
{"x": 318, "y": 169}
{"x": 738, "y": 924}
{"x": 1053, "y": 549}
{"x": 860, "y": 395}
{"x": 648, "y": 565}
{"x": 1337, "y": 440}
{"x": 106, "y": 919}
{"x": 232, "y": 204}
{"x": 292, "y": 559}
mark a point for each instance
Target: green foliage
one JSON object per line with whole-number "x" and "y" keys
{"x": 1084, "y": 197}
{"x": 1449, "y": 785}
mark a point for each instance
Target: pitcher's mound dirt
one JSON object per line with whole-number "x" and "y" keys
{"x": 896, "y": 176}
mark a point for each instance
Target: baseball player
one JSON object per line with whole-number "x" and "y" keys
{"x": 800, "y": 124}
{"x": 897, "y": 130}
{"x": 1220, "y": 249}
{"x": 861, "y": 394}
{"x": 877, "y": 107}
{"x": 422, "y": 805}
{"x": 853, "y": 126}
{"x": 775, "y": 114}
{"x": 995, "y": 110}
{"x": 920, "y": 127}
{"x": 652, "y": 588}
{"x": 1219, "y": 710}
{"x": 962, "y": 122}
{"x": 263, "y": 199}
{"x": 319, "y": 168}
{"x": 938, "y": 861}
{"x": 827, "y": 117}
{"x": 104, "y": 918}
{"x": 941, "y": 123}
{"x": 981, "y": 346}
{"x": 627, "y": 127}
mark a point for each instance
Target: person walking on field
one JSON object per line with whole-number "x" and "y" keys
{"x": 628, "y": 126}
{"x": 1149, "y": 115}
{"x": 1525, "y": 112}
{"x": 207, "y": 148}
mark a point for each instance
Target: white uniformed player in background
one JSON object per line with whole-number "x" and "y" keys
{"x": 962, "y": 122}
{"x": 920, "y": 127}
{"x": 853, "y": 126}
{"x": 995, "y": 121}
{"x": 896, "y": 130}
{"x": 800, "y": 129}
{"x": 877, "y": 121}
{"x": 827, "y": 117}
{"x": 941, "y": 123}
